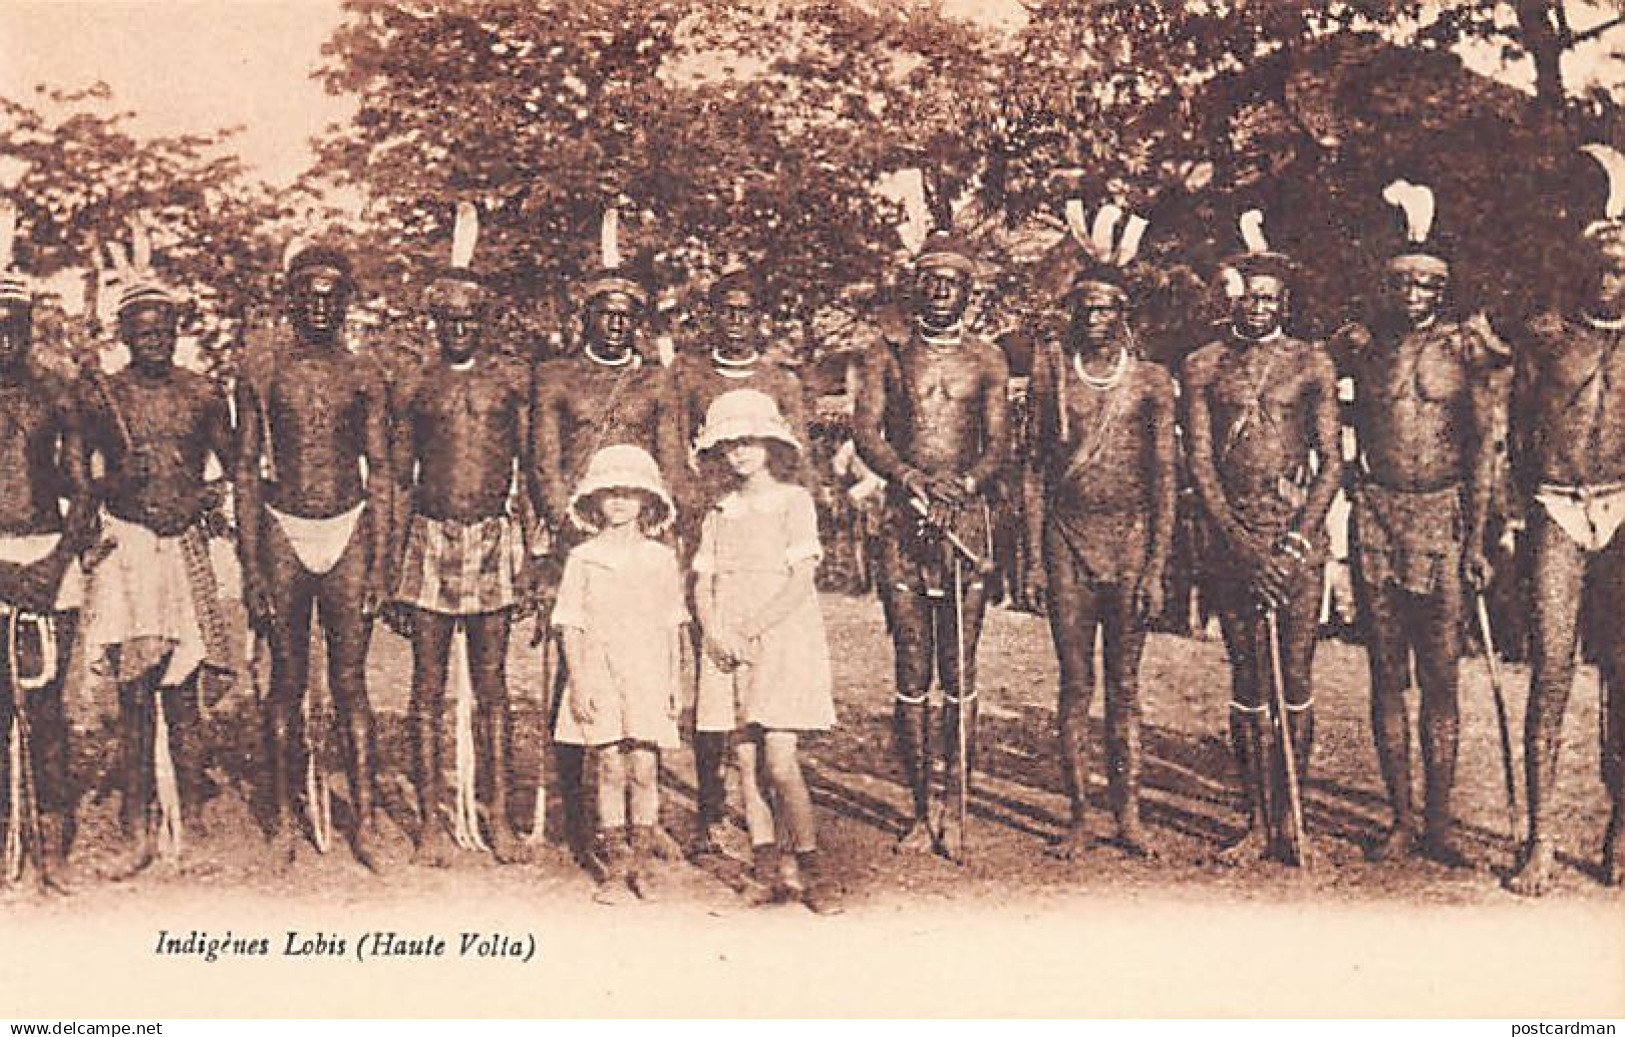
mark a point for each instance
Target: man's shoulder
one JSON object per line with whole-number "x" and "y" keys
{"x": 511, "y": 370}
{"x": 1201, "y": 361}
{"x": 1310, "y": 357}
{"x": 1153, "y": 376}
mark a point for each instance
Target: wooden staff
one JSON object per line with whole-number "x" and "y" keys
{"x": 1508, "y": 772}
{"x": 1297, "y": 843}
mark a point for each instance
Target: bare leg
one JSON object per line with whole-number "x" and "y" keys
{"x": 1610, "y": 598}
{"x": 909, "y": 619}
{"x": 135, "y": 814}
{"x": 1124, "y": 642}
{"x": 1248, "y": 713}
{"x": 348, "y": 634}
{"x": 612, "y": 883}
{"x": 1558, "y": 573}
{"x": 290, "y": 589}
{"x": 493, "y": 728}
{"x": 1073, "y": 619}
{"x": 1388, "y": 653}
{"x": 1438, "y": 654}
{"x": 431, "y": 647}
{"x": 643, "y": 780}
{"x": 959, "y": 692}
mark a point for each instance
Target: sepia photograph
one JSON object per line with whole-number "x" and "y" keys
{"x": 812, "y": 509}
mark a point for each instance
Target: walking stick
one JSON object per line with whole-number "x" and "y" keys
{"x": 960, "y": 733}
{"x": 318, "y": 729}
{"x": 1508, "y": 772}
{"x": 1297, "y": 844}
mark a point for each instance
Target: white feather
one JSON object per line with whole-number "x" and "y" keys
{"x": 1613, "y": 163}
{"x": 464, "y": 234}
{"x": 609, "y": 245}
{"x": 1077, "y": 221}
{"x": 1128, "y": 246}
{"x": 1252, "y": 231}
{"x": 916, "y": 225}
{"x": 1105, "y": 226}
{"x": 140, "y": 243}
{"x": 1416, "y": 202}
{"x": 295, "y": 245}
{"x": 120, "y": 260}
{"x": 1234, "y": 284}
{"x": 8, "y": 234}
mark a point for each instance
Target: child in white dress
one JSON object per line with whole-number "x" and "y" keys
{"x": 765, "y": 672}
{"x": 620, "y": 611}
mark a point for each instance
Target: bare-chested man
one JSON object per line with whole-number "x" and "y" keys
{"x": 735, "y": 361}
{"x": 1569, "y": 419}
{"x": 152, "y": 609}
{"x": 1103, "y": 462}
{"x": 312, "y": 529}
{"x": 608, "y": 394}
{"x": 930, "y": 420}
{"x": 1261, "y": 414}
{"x": 463, "y": 436}
{"x": 1427, "y": 420}
{"x": 41, "y": 588}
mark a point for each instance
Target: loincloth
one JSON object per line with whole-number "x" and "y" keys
{"x": 914, "y": 558}
{"x": 461, "y": 568}
{"x": 27, "y": 549}
{"x": 1267, "y": 516}
{"x": 318, "y": 543}
{"x": 1103, "y": 548}
{"x": 1590, "y": 515}
{"x": 1410, "y": 539}
{"x": 152, "y": 601}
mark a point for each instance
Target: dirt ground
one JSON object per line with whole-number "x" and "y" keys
{"x": 1012, "y": 931}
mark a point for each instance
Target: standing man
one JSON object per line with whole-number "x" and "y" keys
{"x": 154, "y": 616}
{"x": 1264, "y": 457}
{"x": 313, "y": 528}
{"x": 42, "y": 462}
{"x": 930, "y": 420}
{"x": 463, "y": 435}
{"x": 735, "y": 361}
{"x": 1101, "y": 502}
{"x": 607, "y": 394}
{"x": 1569, "y": 391}
{"x": 1426, "y": 390}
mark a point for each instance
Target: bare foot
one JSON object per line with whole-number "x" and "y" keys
{"x": 1132, "y": 840}
{"x": 433, "y": 849}
{"x": 1397, "y": 843}
{"x": 1252, "y": 847}
{"x": 1534, "y": 877}
{"x": 284, "y": 850}
{"x": 507, "y": 848}
{"x": 664, "y": 847}
{"x": 916, "y": 840}
{"x": 644, "y": 881}
{"x": 1072, "y": 845}
{"x": 1441, "y": 848}
{"x": 951, "y": 836}
{"x": 366, "y": 845}
{"x": 136, "y": 860}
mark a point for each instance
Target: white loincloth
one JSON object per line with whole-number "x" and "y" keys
{"x": 140, "y": 603}
{"x": 29, "y": 548}
{"x": 1590, "y": 515}
{"x": 318, "y": 543}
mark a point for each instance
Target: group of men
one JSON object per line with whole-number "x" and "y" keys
{"x": 438, "y": 502}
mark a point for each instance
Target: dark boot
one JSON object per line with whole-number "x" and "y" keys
{"x": 766, "y": 883}
{"x": 820, "y": 893}
{"x": 614, "y": 880}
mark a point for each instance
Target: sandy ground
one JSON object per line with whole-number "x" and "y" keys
{"x": 1012, "y": 932}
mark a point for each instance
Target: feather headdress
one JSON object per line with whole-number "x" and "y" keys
{"x": 610, "y": 276}
{"x": 1109, "y": 243}
{"x": 1258, "y": 259}
{"x": 1417, "y": 255}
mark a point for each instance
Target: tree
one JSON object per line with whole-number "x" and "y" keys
{"x": 80, "y": 174}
